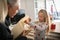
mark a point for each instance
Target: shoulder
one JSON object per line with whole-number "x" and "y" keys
{"x": 1, "y": 25}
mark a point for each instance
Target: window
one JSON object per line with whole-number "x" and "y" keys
{"x": 53, "y": 9}
{"x": 38, "y": 4}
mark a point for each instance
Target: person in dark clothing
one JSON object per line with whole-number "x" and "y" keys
{"x": 5, "y": 33}
{"x": 14, "y": 20}
{"x": 14, "y": 15}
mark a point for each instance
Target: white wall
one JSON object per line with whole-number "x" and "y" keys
{"x": 28, "y": 5}
{"x": 41, "y": 4}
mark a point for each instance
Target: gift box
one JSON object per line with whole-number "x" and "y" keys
{"x": 53, "y": 26}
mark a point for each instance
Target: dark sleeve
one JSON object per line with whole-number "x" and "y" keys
{"x": 4, "y": 33}
{"x": 7, "y": 21}
{"x": 14, "y": 20}
{"x": 17, "y": 17}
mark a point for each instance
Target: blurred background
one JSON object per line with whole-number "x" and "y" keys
{"x": 32, "y": 7}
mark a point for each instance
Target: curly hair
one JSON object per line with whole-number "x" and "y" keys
{"x": 3, "y": 10}
{"x": 45, "y": 14}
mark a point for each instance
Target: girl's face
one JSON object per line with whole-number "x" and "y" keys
{"x": 41, "y": 17}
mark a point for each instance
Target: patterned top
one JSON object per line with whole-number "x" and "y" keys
{"x": 39, "y": 30}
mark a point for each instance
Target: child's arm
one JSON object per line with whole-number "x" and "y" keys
{"x": 41, "y": 28}
{"x": 32, "y": 24}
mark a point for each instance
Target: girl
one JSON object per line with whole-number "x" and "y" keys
{"x": 41, "y": 25}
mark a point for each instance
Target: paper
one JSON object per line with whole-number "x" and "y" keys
{"x": 18, "y": 29}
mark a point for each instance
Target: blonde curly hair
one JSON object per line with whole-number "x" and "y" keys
{"x": 45, "y": 15}
{"x": 3, "y": 10}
